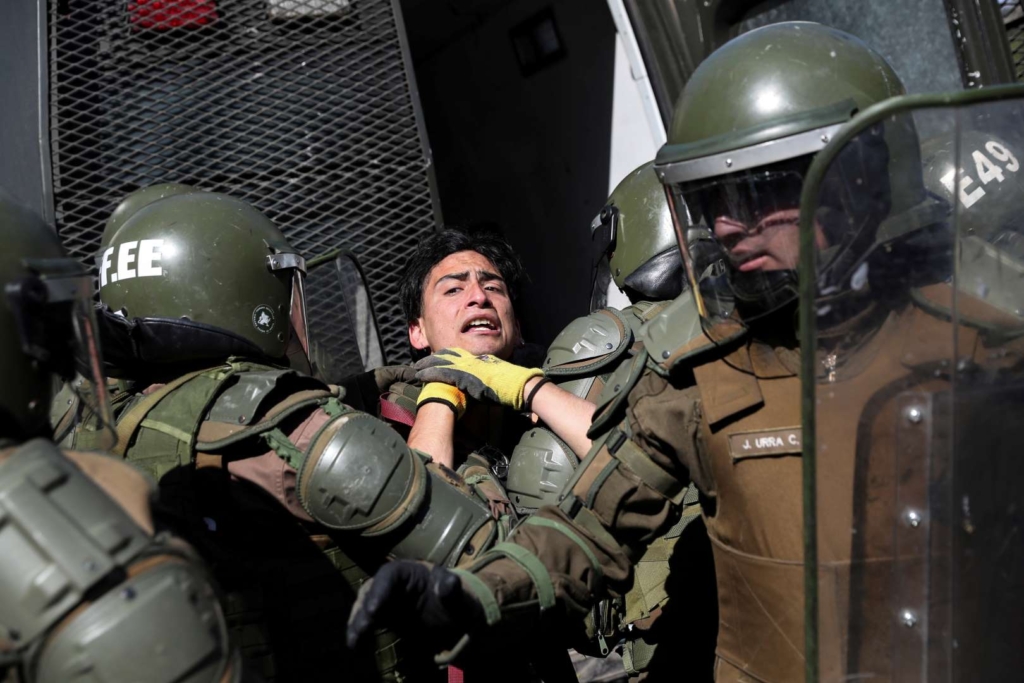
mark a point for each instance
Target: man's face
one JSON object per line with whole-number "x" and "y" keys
{"x": 772, "y": 244}
{"x": 466, "y": 305}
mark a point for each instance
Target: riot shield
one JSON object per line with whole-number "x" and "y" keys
{"x": 349, "y": 326}
{"x": 912, "y": 325}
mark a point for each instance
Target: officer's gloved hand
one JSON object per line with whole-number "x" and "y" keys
{"x": 423, "y": 601}
{"x": 387, "y": 375}
{"x": 482, "y": 377}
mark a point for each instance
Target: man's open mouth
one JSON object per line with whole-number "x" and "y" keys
{"x": 480, "y": 325}
{"x": 752, "y": 262}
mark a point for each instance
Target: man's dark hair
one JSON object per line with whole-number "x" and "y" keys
{"x": 484, "y": 239}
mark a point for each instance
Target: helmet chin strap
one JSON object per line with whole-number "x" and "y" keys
{"x": 758, "y": 294}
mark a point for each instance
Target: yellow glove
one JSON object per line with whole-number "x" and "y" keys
{"x": 482, "y": 377}
{"x": 439, "y": 392}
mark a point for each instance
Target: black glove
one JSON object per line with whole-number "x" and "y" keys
{"x": 416, "y": 598}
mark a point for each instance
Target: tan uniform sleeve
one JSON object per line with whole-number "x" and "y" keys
{"x": 627, "y": 490}
{"x": 272, "y": 472}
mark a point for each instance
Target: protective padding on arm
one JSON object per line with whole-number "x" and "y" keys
{"x": 83, "y": 588}
{"x": 613, "y": 514}
{"x": 166, "y": 609}
{"x": 360, "y": 476}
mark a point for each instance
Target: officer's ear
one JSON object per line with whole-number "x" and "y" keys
{"x": 417, "y": 336}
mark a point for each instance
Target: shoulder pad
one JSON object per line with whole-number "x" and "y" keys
{"x": 62, "y": 535}
{"x": 241, "y": 401}
{"x": 144, "y": 619}
{"x": 676, "y": 334}
{"x": 540, "y": 466}
{"x": 589, "y": 344}
{"x": 990, "y": 314}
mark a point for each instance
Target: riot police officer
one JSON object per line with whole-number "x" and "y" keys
{"x": 90, "y": 589}
{"x": 634, "y": 234}
{"x": 722, "y": 408}
{"x": 201, "y": 301}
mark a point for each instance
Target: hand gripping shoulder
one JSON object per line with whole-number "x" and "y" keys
{"x": 360, "y": 476}
{"x": 85, "y": 592}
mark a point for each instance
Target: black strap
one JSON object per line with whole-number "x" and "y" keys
{"x": 528, "y": 404}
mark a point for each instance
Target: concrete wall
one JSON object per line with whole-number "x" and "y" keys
{"x": 530, "y": 153}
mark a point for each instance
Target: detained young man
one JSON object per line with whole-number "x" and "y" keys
{"x": 458, "y": 295}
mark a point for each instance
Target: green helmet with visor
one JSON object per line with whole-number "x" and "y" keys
{"x": 197, "y": 277}
{"x": 746, "y": 127}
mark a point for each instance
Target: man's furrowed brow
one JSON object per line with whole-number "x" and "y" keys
{"x": 461, "y": 277}
{"x": 488, "y": 276}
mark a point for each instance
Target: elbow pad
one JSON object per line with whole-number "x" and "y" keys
{"x": 86, "y": 595}
{"x": 360, "y": 476}
{"x": 538, "y": 470}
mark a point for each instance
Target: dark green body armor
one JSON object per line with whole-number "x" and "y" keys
{"x": 289, "y": 585}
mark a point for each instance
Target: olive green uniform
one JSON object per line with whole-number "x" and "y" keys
{"x": 730, "y": 419}
{"x": 228, "y": 445}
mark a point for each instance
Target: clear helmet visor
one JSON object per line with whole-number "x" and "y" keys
{"x": 742, "y": 239}
{"x": 53, "y": 311}
{"x": 300, "y": 328}
{"x": 298, "y": 343}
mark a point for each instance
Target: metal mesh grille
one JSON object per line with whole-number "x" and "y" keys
{"x": 301, "y": 107}
{"x": 1013, "y": 19}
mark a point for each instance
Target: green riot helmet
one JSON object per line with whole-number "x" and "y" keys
{"x": 47, "y": 326}
{"x": 745, "y": 130}
{"x": 195, "y": 278}
{"x": 988, "y": 186}
{"x": 979, "y": 177}
{"x": 634, "y": 230}
{"x": 144, "y": 196}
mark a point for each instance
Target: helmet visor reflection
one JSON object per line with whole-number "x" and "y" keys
{"x": 746, "y": 252}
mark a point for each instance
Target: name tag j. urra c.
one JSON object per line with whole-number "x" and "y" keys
{"x": 782, "y": 441}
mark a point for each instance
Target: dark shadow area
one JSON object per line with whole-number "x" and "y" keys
{"x": 529, "y": 152}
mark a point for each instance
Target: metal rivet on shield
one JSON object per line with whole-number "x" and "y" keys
{"x": 728, "y": 163}
{"x": 908, "y": 618}
{"x": 609, "y": 345}
{"x": 274, "y": 263}
{"x": 914, "y": 414}
{"x": 824, "y": 137}
{"x": 665, "y": 354}
{"x": 913, "y": 518}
